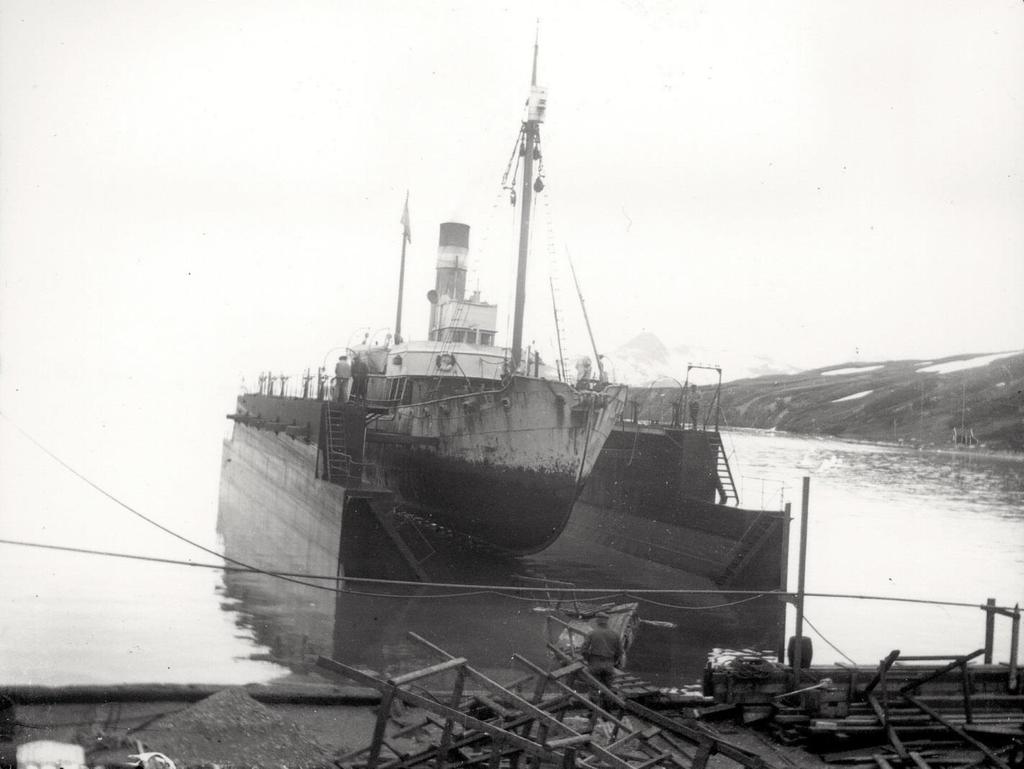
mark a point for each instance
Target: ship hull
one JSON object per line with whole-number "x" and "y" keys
{"x": 503, "y": 467}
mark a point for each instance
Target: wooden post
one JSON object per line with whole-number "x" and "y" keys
{"x": 784, "y": 578}
{"x": 1014, "y": 647}
{"x": 990, "y": 628}
{"x": 383, "y": 714}
{"x": 801, "y": 574}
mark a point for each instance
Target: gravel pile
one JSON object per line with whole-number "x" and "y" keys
{"x": 231, "y": 729}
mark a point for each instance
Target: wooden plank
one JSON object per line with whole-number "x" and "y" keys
{"x": 919, "y": 762}
{"x": 469, "y": 739}
{"x": 584, "y": 701}
{"x": 653, "y": 760}
{"x": 936, "y": 673}
{"x": 881, "y": 761}
{"x": 890, "y": 731}
{"x": 416, "y": 675}
{"x": 562, "y": 742}
{"x": 466, "y": 721}
{"x": 446, "y": 734}
{"x": 700, "y": 758}
{"x": 383, "y": 716}
{"x": 960, "y": 732}
{"x": 883, "y": 667}
{"x": 695, "y": 735}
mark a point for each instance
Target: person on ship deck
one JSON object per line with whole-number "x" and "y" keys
{"x": 360, "y": 374}
{"x": 342, "y": 375}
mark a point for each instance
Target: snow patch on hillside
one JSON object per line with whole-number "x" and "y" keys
{"x": 962, "y": 365}
{"x": 851, "y": 370}
{"x": 855, "y": 396}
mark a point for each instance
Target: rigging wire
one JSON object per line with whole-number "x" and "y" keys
{"x": 592, "y": 593}
{"x": 700, "y": 608}
{"x": 823, "y": 638}
{"x": 237, "y": 565}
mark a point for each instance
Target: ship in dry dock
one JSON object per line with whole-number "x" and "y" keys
{"x": 460, "y": 439}
{"x": 473, "y": 436}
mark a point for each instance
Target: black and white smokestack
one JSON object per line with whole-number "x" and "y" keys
{"x": 452, "y": 258}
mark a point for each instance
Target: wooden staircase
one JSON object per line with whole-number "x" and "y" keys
{"x": 724, "y": 472}
{"x": 340, "y": 447}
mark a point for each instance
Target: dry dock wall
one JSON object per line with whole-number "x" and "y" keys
{"x": 275, "y": 515}
{"x": 273, "y": 508}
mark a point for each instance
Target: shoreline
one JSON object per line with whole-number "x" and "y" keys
{"x": 1007, "y": 454}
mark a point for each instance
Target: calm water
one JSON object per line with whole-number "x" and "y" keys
{"x": 884, "y": 521}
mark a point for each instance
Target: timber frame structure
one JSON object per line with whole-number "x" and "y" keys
{"x": 499, "y": 726}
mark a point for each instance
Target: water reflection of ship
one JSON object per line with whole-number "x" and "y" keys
{"x": 366, "y": 623}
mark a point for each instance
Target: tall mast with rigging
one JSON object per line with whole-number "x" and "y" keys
{"x": 529, "y": 147}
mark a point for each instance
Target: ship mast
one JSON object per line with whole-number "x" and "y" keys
{"x": 528, "y": 147}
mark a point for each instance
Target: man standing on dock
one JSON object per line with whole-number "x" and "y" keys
{"x": 602, "y": 651}
{"x": 342, "y": 374}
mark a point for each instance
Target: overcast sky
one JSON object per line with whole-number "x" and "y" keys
{"x": 211, "y": 188}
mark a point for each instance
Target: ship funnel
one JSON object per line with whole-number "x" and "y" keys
{"x": 452, "y": 258}
{"x": 454, "y": 317}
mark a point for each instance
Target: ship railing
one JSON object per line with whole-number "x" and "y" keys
{"x": 768, "y": 488}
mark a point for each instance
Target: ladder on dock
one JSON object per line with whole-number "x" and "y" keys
{"x": 340, "y": 447}
{"x": 723, "y": 470}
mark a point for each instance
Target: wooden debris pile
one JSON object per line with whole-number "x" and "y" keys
{"x": 562, "y": 717}
{"x": 914, "y": 715}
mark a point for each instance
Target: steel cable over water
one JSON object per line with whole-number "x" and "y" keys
{"x": 467, "y": 589}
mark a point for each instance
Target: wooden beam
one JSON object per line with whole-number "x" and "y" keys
{"x": 542, "y": 717}
{"x": 383, "y": 716}
{"x": 416, "y": 675}
{"x": 890, "y": 731}
{"x": 469, "y": 739}
{"x": 957, "y": 730}
{"x": 990, "y": 628}
{"x": 695, "y": 735}
{"x": 883, "y": 666}
{"x": 466, "y": 721}
{"x": 585, "y": 701}
{"x": 940, "y": 671}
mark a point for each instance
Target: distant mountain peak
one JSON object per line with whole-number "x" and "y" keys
{"x": 645, "y": 358}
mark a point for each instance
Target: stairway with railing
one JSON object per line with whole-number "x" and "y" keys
{"x": 726, "y": 482}
{"x": 341, "y": 451}
{"x": 342, "y": 437}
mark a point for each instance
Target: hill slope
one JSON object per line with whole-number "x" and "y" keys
{"x": 911, "y": 401}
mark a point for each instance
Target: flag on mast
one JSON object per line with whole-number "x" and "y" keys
{"x": 406, "y": 231}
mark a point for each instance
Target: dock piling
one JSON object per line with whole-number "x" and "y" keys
{"x": 797, "y": 660}
{"x": 990, "y": 628}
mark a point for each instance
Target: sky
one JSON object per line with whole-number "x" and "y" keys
{"x": 192, "y": 192}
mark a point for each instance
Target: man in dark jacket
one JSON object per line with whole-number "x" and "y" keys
{"x": 360, "y": 373}
{"x": 602, "y": 651}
